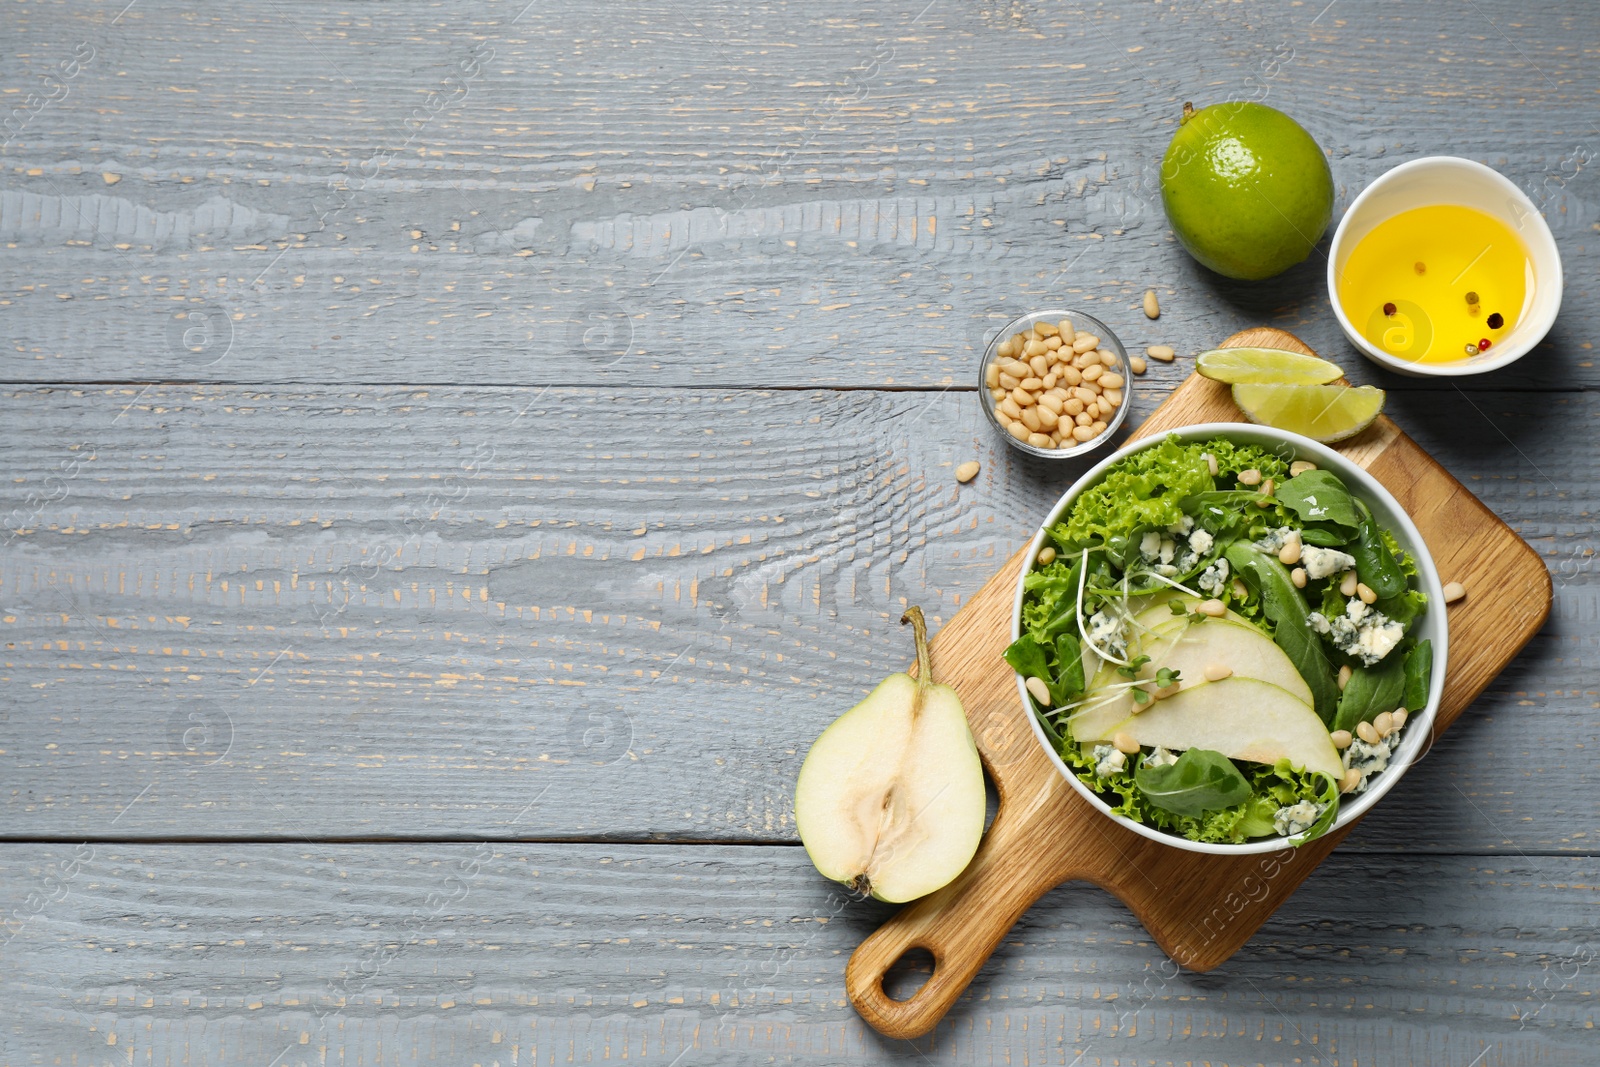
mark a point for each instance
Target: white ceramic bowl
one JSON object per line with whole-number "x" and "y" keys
{"x": 1448, "y": 180}
{"x": 1433, "y": 626}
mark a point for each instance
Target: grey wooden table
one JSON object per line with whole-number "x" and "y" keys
{"x": 457, "y": 456}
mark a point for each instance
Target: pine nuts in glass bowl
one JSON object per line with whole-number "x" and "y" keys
{"x": 1066, "y": 405}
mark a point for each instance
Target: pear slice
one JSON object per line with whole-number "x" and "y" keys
{"x": 1242, "y": 718}
{"x": 1188, "y": 648}
{"x": 890, "y": 799}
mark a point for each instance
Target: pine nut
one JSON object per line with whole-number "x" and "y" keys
{"x": 1216, "y": 672}
{"x": 1047, "y": 418}
{"x": 1085, "y": 342}
{"x": 1162, "y": 352}
{"x": 1367, "y": 595}
{"x": 1289, "y": 554}
{"x": 1344, "y": 677}
{"x": 1070, "y": 375}
{"x": 1049, "y": 381}
{"x": 1137, "y": 364}
{"x": 1107, "y": 359}
{"x": 1040, "y": 690}
{"x": 1347, "y": 584}
{"x": 1017, "y": 430}
{"x": 1083, "y": 418}
{"x": 1082, "y": 433}
{"x": 1034, "y": 347}
{"x": 967, "y": 471}
{"x": 1298, "y": 577}
{"x": 1111, "y": 380}
{"x": 1114, "y": 397}
{"x": 1453, "y": 592}
{"x": 1098, "y": 427}
{"x": 1368, "y": 733}
{"x": 1093, "y": 372}
{"x": 1341, "y": 739}
{"x": 1053, "y": 343}
{"x": 1383, "y": 722}
{"x": 1400, "y": 716}
{"x": 1032, "y": 385}
{"x": 1124, "y": 744}
{"x": 1351, "y": 779}
{"x": 1300, "y": 466}
{"x": 1040, "y": 365}
{"x": 991, "y": 375}
{"x": 1006, "y": 349}
{"x": 1084, "y": 359}
{"x": 1045, "y": 329}
{"x": 1211, "y": 464}
{"x": 1011, "y": 408}
{"x": 1250, "y": 477}
{"x": 1040, "y": 440}
{"x": 1030, "y": 419}
{"x": 1047, "y": 556}
{"x": 1240, "y": 591}
{"x": 1017, "y": 369}
{"x": 1085, "y": 394}
{"x": 1067, "y": 332}
{"x": 1269, "y": 487}
{"x": 1212, "y": 607}
{"x": 1072, "y": 407}
{"x": 1008, "y": 382}
{"x": 1152, "y": 308}
{"x": 1051, "y": 402}
{"x": 1023, "y": 398}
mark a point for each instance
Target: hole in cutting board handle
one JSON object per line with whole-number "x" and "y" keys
{"x": 910, "y": 974}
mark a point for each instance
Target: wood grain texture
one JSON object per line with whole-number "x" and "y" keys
{"x": 305, "y": 612}
{"x": 812, "y": 195}
{"x": 1200, "y": 909}
{"x": 547, "y": 954}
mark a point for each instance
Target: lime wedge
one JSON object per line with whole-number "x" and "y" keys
{"x": 1325, "y": 413}
{"x": 1265, "y": 365}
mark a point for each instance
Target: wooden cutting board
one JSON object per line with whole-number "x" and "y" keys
{"x": 1200, "y": 909}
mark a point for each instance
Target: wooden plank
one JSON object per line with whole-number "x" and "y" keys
{"x": 510, "y": 629}
{"x": 537, "y": 954}
{"x": 814, "y": 196}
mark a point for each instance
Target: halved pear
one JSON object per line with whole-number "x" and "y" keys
{"x": 890, "y": 799}
{"x": 1188, "y": 648}
{"x": 1242, "y": 718}
{"x": 1156, "y": 617}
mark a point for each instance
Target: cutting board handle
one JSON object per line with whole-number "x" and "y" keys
{"x": 960, "y": 925}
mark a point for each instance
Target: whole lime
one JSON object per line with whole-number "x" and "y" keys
{"x": 1247, "y": 190}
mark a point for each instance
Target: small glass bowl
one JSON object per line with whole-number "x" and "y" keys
{"x": 1081, "y": 323}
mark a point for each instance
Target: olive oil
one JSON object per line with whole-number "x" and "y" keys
{"x": 1436, "y": 284}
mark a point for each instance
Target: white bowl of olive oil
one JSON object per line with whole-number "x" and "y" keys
{"x": 1444, "y": 267}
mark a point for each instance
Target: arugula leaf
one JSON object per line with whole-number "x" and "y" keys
{"x": 1201, "y": 781}
{"x": 1418, "y": 672}
{"x": 1322, "y": 501}
{"x": 1376, "y": 564}
{"x": 1370, "y": 691}
{"x": 1028, "y": 659}
{"x": 1286, "y": 608}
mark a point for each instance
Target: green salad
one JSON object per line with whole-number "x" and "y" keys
{"x": 1220, "y": 642}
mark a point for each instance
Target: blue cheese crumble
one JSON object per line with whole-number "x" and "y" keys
{"x": 1160, "y": 758}
{"x": 1107, "y": 761}
{"x": 1274, "y": 540}
{"x": 1107, "y": 632}
{"x": 1297, "y": 818}
{"x": 1322, "y": 562}
{"x": 1362, "y": 632}
{"x": 1214, "y": 577}
{"x": 1370, "y": 759}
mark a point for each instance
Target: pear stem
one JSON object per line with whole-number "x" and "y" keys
{"x": 919, "y": 627}
{"x": 1188, "y": 112}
